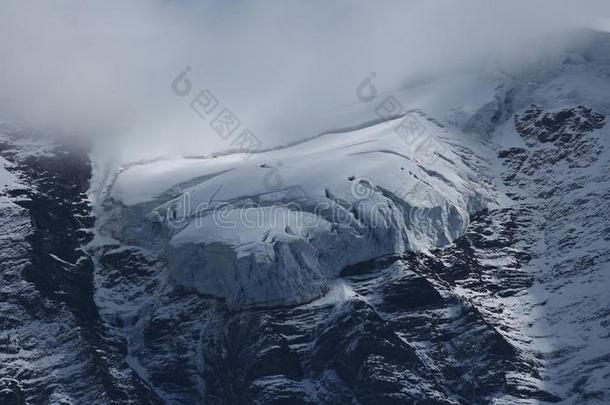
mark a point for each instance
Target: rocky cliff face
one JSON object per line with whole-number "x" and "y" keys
{"x": 53, "y": 344}
{"x": 559, "y": 185}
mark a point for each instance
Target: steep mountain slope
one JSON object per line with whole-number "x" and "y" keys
{"x": 547, "y": 127}
{"x": 560, "y": 182}
{"x": 486, "y": 283}
{"x": 53, "y": 345}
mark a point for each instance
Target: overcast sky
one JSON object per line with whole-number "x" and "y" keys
{"x": 286, "y": 69}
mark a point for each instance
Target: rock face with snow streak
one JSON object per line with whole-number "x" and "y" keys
{"x": 272, "y": 228}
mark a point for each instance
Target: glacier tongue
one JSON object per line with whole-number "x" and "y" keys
{"x": 274, "y": 227}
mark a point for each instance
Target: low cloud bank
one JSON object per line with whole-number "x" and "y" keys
{"x": 283, "y": 70}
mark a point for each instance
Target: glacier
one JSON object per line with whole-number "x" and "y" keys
{"x": 275, "y": 227}
{"x": 528, "y": 151}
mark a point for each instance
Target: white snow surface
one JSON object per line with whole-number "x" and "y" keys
{"x": 276, "y": 227}
{"x": 7, "y": 179}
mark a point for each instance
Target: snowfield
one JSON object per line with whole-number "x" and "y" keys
{"x": 7, "y": 179}
{"x": 274, "y": 227}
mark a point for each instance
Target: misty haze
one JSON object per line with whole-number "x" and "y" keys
{"x": 305, "y": 202}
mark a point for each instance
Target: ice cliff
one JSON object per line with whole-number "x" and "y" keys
{"x": 274, "y": 227}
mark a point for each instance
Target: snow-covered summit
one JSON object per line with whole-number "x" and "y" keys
{"x": 272, "y": 228}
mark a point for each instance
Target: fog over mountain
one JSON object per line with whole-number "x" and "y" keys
{"x": 286, "y": 69}
{"x": 304, "y": 202}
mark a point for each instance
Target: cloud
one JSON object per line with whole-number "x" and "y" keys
{"x": 286, "y": 69}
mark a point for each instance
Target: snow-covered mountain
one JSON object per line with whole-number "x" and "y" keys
{"x": 276, "y": 227}
{"x": 455, "y": 253}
